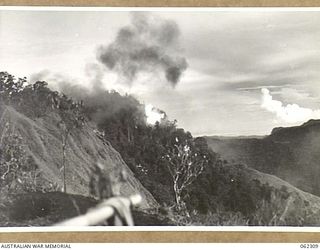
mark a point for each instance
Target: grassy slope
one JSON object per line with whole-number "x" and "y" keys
{"x": 43, "y": 141}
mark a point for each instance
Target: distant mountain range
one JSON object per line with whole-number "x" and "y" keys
{"x": 291, "y": 153}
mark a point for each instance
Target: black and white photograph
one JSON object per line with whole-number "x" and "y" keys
{"x": 159, "y": 117}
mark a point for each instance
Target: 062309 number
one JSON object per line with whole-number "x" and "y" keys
{"x": 309, "y": 245}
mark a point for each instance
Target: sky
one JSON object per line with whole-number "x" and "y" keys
{"x": 240, "y": 72}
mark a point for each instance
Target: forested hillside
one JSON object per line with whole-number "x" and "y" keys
{"x": 51, "y": 141}
{"x": 290, "y": 153}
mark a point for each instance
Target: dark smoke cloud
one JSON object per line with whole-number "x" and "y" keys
{"x": 101, "y": 102}
{"x": 39, "y": 76}
{"x": 61, "y": 83}
{"x": 149, "y": 44}
{"x": 74, "y": 87}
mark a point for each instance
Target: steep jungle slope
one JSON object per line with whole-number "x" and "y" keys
{"x": 42, "y": 139}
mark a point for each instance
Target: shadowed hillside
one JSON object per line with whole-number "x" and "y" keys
{"x": 290, "y": 153}
{"x": 46, "y": 209}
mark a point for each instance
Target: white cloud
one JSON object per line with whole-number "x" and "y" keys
{"x": 291, "y": 113}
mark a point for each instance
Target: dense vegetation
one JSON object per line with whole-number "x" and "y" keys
{"x": 291, "y": 153}
{"x": 217, "y": 188}
{"x": 35, "y": 101}
{"x": 220, "y": 188}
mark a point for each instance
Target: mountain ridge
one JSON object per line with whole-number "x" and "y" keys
{"x": 290, "y": 153}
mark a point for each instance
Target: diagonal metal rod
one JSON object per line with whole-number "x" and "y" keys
{"x": 102, "y": 212}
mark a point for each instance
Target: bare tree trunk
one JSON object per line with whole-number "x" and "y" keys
{"x": 177, "y": 193}
{"x": 64, "y": 171}
{"x": 181, "y": 206}
{"x": 64, "y": 168}
{"x": 64, "y": 147}
{"x": 128, "y": 133}
{"x": 184, "y": 167}
{"x": 35, "y": 180}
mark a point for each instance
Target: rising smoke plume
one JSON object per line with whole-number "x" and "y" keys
{"x": 101, "y": 102}
{"x": 290, "y": 113}
{"x": 148, "y": 45}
